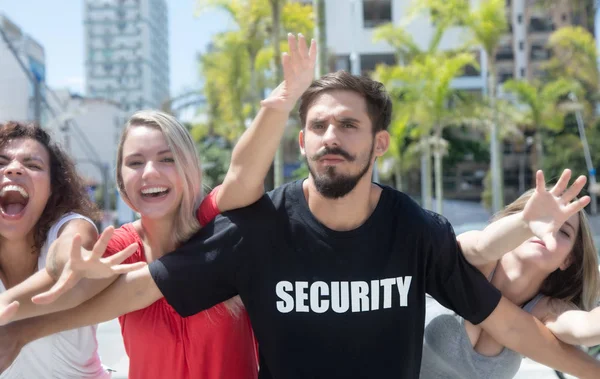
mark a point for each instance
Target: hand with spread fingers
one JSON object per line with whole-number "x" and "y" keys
{"x": 546, "y": 211}
{"x": 89, "y": 264}
{"x": 298, "y": 74}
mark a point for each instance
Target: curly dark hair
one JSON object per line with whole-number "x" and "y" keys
{"x": 68, "y": 193}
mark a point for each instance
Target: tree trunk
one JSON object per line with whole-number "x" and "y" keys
{"x": 426, "y": 173}
{"x": 398, "y": 175}
{"x": 495, "y": 143}
{"x": 437, "y": 161}
{"x": 320, "y": 37}
{"x": 539, "y": 151}
{"x": 254, "y": 90}
{"x": 276, "y": 17}
{"x": 522, "y": 157}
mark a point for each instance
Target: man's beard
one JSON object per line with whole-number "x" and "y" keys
{"x": 331, "y": 184}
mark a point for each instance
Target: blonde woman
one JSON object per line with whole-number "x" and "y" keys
{"x": 540, "y": 254}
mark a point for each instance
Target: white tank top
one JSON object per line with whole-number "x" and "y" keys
{"x": 66, "y": 355}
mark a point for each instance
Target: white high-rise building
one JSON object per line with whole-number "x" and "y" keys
{"x": 350, "y": 37}
{"x": 17, "y": 98}
{"x": 127, "y": 52}
{"x": 521, "y": 51}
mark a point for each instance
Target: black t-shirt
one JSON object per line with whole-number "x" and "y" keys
{"x": 323, "y": 303}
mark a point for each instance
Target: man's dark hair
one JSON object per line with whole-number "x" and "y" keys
{"x": 379, "y": 104}
{"x": 68, "y": 193}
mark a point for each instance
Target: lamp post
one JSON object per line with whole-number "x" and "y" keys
{"x": 592, "y": 186}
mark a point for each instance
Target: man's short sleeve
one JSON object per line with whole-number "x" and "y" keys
{"x": 204, "y": 271}
{"x": 453, "y": 281}
{"x": 201, "y": 272}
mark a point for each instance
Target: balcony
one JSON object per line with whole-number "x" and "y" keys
{"x": 505, "y": 53}
{"x": 539, "y": 53}
{"x": 540, "y": 25}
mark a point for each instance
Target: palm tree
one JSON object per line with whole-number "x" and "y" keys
{"x": 227, "y": 86}
{"x": 488, "y": 24}
{"x": 408, "y": 51}
{"x": 426, "y": 93}
{"x": 575, "y": 56}
{"x": 250, "y": 17}
{"x": 321, "y": 36}
{"x": 545, "y": 106}
{"x": 254, "y": 50}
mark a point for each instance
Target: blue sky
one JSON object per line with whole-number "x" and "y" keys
{"x": 58, "y": 26}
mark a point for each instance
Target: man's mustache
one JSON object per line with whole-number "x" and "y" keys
{"x": 332, "y": 151}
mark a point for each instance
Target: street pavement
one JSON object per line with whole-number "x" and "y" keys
{"x": 458, "y": 213}
{"x": 111, "y": 349}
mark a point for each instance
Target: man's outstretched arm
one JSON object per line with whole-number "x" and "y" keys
{"x": 523, "y": 333}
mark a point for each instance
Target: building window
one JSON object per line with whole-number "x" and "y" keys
{"x": 505, "y": 53}
{"x": 520, "y": 18}
{"x": 376, "y": 12}
{"x": 368, "y": 62}
{"x": 564, "y": 17}
{"x": 522, "y": 72}
{"x": 521, "y": 45}
{"x": 539, "y": 53}
{"x": 539, "y": 24}
{"x": 504, "y": 76}
{"x": 470, "y": 70}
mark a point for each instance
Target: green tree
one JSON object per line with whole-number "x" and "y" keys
{"x": 488, "y": 24}
{"x": 245, "y": 62}
{"x": 407, "y": 51}
{"x": 227, "y": 86}
{"x": 545, "y": 107}
{"x": 575, "y": 56}
{"x": 215, "y": 154}
{"x": 566, "y": 149}
{"x": 429, "y": 101}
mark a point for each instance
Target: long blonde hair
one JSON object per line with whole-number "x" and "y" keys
{"x": 579, "y": 282}
{"x": 189, "y": 169}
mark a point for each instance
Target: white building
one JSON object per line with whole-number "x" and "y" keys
{"x": 127, "y": 52}
{"x": 521, "y": 51}
{"x": 17, "y": 94}
{"x": 350, "y": 26}
{"x": 88, "y": 129}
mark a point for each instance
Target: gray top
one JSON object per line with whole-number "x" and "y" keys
{"x": 449, "y": 354}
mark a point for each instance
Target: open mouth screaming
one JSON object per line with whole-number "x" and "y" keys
{"x": 13, "y": 200}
